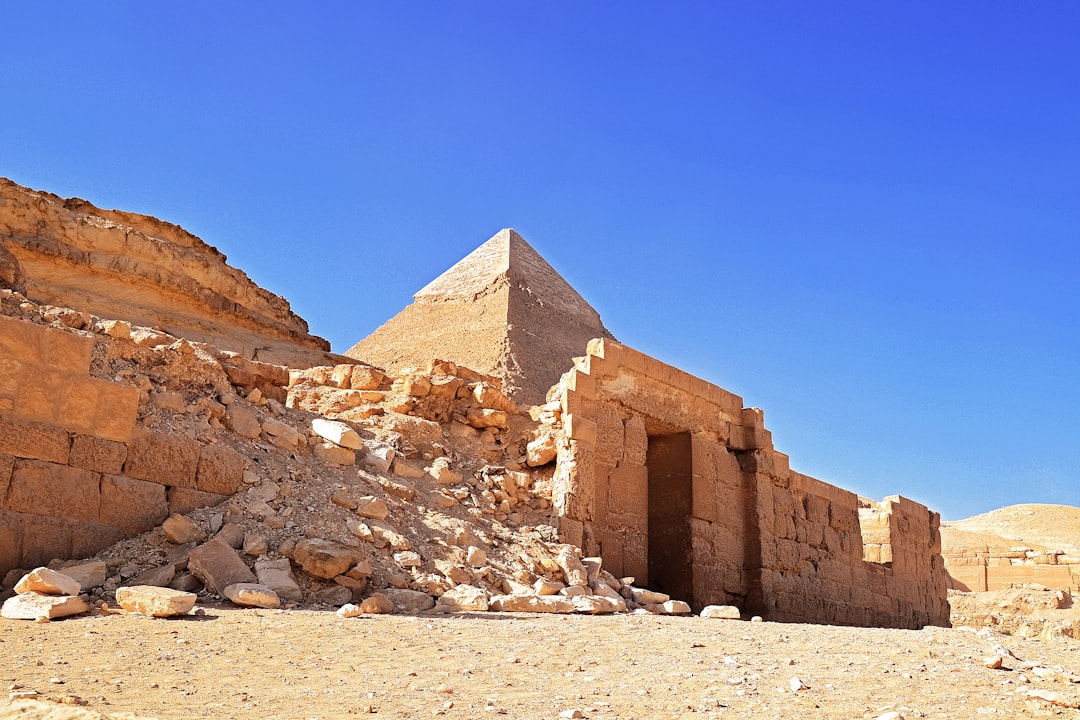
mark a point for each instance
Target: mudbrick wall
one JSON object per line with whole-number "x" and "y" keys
{"x": 76, "y": 473}
{"x": 671, "y": 480}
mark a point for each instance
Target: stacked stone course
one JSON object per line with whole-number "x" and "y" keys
{"x": 76, "y": 473}
{"x": 757, "y": 534}
{"x": 983, "y": 568}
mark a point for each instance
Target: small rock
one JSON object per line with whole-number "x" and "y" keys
{"x": 180, "y": 530}
{"x": 476, "y": 557}
{"x": 993, "y": 662}
{"x": 252, "y": 595}
{"x": 721, "y": 612}
{"x": 372, "y": 507}
{"x": 796, "y": 685}
{"x": 409, "y": 600}
{"x": 255, "y": 545}
{"x": 338, "y": 433}
{"x": 648, "y": 597}
{"x": 323, "y": 558}
{"x": 572, "y": 714}
{"x": 348, "y": 610}
{"x": 377, "y": 604}
{"x": 408, "y": 558}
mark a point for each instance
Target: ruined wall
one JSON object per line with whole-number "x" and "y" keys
{"x": 76, "y": 473}
{"x": 982, "y": 568}
{"x": 759, "y": 535}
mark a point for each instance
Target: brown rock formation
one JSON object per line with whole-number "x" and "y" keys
{"x": 124, "y": 265}
{"x": 502, "y": 310}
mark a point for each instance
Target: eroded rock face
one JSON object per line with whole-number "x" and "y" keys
{"x": 153, "y": 273}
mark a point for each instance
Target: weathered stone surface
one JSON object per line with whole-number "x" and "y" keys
{"x": 252, "y": 595}
{"x": 721, "y": 612}
{"x": 372, "y": 507}
{"x": 217, "y": 566}
{"x": 464, "y": 598}
{"x": 32, "y": 605}
{"x": 574, "y": 572}
{"x": 441, "y": 470}
{"x": 243, "y": 422}
{"x": 543, "y": 586}
{"x": 597, "y": 604}
{"x": 180, "y": 530}
{"x": 476, "y": 556}
{"x": 97, "y": 454}
{"x": 642, "y": 596}
{"x": 531, "y": 603}
{"x": 338, "y": 433}
{"x": 541, "y": 451}
{"x": 68, "y": 248}
{"x": 278, "y": 576}
{"x": 331, "y": 453}
{"x": 323, "y": 558}
{"x": 163, "y": 458}
{"x": 255, "y": 545}
{"x": 47, "y": 582}
{"x": 378, "y": 604}
{"x": 157, "y": 577}
{"x": 409, "y": 600}
{"x": 89, "y": 573}
{"x": 155, "y": 601}
{"x": 220, "y": 470}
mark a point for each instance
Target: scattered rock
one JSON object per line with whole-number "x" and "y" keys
{"x": 155, "y": 601}
{"x": 216, "y": 564}
{"x": 33, "y": 606}
{"x": 252, "y": 595}
{"x": 464, "y": 598}
{"x": 721, "y": 612}
{"x": 47, "y": 582}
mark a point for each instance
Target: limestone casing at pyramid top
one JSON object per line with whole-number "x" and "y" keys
{"x": 507, "y": 255}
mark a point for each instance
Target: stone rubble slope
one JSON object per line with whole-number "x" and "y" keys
{"x": 429, "y": 489}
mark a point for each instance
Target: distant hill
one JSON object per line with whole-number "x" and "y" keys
{"x": 1038, "y": 526}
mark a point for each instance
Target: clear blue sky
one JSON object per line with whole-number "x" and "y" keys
{"x": 863, "y": 217}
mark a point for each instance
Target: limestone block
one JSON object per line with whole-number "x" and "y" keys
{"x": 278, "y": 576}
{"x": 338, "y": 433}
{"x": 34, "y": 441}
{"x": 331, "y": 453}
{"x": 476, "y": 556}
{"x": 47, "y": 582}
{"x": 220, "y": 470}
{"x": 47, "y": 489}
{"x": 183, "y": 500}
{"x": 598, "y": 604}
{"x": 379, "y": 456}
{"x": 481, "y": 418}
{"x": 97, "y": 454}
{"x": 464, "y": 598}
{"x": 378, "y": 604}
{"x": 115, "y": 410}
{"x": 721, "y": 612}
{"x": 365, "y": 377}
{"x": 252, "y": 595}
{"x": 441, "y": 470}
{"x": 243, "y": 422}
{"x": 163, "y": 458}
{"x": 160, "y": 576}
{"x": 323, "y": 558}
{"x": 531, "y": 603}
{"x": 405, "y": 469}
{"x": 217, "y": 566}
{"x": 573, "y": 570}
{"x": 541, "y": 451}
{"x": 372, "y": 507}
{"x": 32, "y": 605}
{"x": 88, "y": 573}
{"x": 180, "y": 530}
{"x": 133, "y": 506}
{"x": 643, "y": 596}
{"x": 409, "y": 600}
{"x": 155, "y": 601}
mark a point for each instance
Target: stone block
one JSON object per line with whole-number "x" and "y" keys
{"x": 217, "y": 566}
{"x": 48, "y": 489}
{"x": 97, "y": 454}
{"x": 133, "y": 506}
{"x": 47, "y": 582}
{"x": 155, "y": 601}
{"x": 88, "y": 573}
{"x": 278, "y": 576}
{"x": 43, "y": 539}
{"x": 32, "y": 605}
{"x": 116, "y": 409}
{"x": 65, "y": 351}
{"x": 164, "y": 459}
{"x": 34, "y": 441}
{"x": 220, "y": 470}
{"x": 183, "y": 500}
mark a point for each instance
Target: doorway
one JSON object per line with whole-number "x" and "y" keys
{"x": 670, "y": 462}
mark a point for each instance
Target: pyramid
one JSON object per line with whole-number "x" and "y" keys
{"x": 502, "y": 310}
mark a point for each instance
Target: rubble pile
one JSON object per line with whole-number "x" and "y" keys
{"x": 424, "y": 490}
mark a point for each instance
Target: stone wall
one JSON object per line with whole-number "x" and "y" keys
{"x": 671, "y": 480}
{"x": 982, "y": 568}
{"x": 76, "y": 472}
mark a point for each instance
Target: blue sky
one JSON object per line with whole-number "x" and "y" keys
{"x": 862, "y": 217}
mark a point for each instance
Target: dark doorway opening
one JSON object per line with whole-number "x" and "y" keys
{"x": 670, "y": 462}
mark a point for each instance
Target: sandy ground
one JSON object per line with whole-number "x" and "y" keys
{"x": 232, "y": 663}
